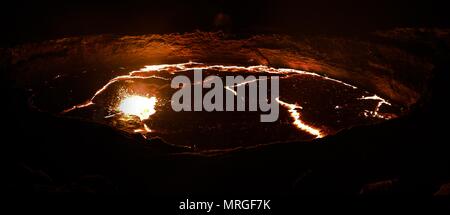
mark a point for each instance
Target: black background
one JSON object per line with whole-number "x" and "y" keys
{"x": 23, "y": 21}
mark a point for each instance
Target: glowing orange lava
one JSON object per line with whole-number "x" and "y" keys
{"x": 143, "y": 130}
{"x": 143, "y": 107}
{"x": 376, "y": 113}
{"x": 139, "y": 106}
{"x": 292, "y": 109}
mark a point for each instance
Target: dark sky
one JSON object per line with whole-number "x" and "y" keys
{"x": 24, "y": 21}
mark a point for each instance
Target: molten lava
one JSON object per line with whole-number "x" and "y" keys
{"x": 312, "y": 106}
{"x": 139, "y": 106}
{"x": 292, "y": 109}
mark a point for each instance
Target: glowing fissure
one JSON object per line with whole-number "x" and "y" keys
{"x": 298, "y": 122}
{"x": 143, "y": 130}
{"x": 144, "y": 74}
{"x": 129, "y": 107}
{"x": 376, "y": 112}
{"x": 230, "y": 87}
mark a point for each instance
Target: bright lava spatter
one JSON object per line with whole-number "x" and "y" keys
{"x": 151, "y": 71}
{"x": 139, "y": 106}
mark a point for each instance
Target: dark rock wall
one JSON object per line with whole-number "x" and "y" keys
{"x": 383, "y": 63}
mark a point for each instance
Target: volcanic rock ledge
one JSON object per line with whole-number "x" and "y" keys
{"x": 378, "y": 63}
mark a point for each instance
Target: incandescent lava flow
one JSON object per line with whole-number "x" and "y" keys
{"x": 311, "y": 106}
